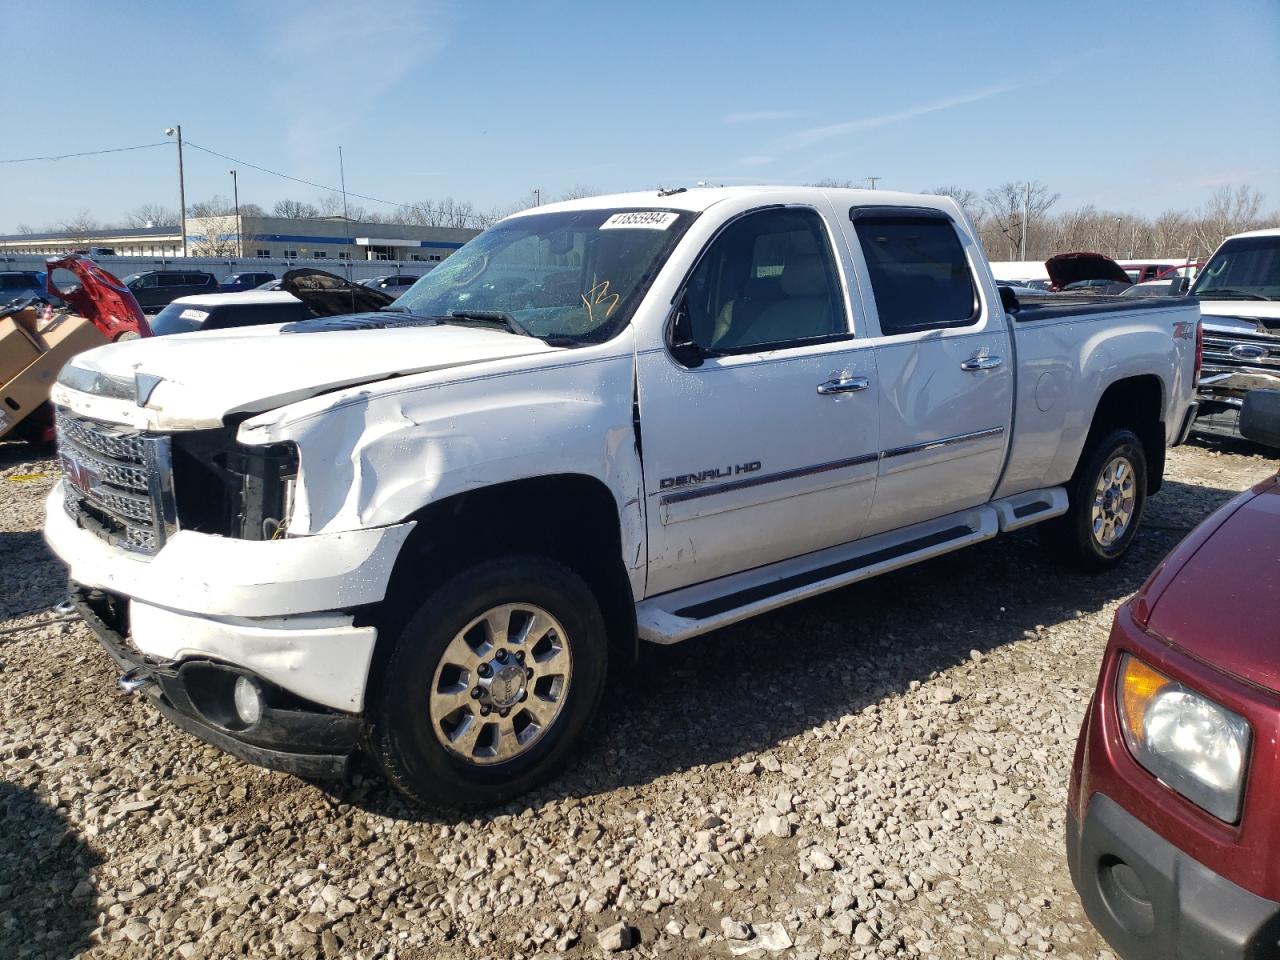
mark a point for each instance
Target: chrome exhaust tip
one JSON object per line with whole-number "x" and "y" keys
{"x": 65, "y": 607}
{"x": 134, "y": 681}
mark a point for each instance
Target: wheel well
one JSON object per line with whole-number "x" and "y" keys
{"x": 1135, "y": 403}
{"x": 572, "y": 518}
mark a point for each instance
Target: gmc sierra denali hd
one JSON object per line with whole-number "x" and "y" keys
{"x": 427, "y": 533}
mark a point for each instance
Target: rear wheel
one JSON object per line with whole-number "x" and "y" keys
{"x": 1107, "y": 497}
{"x": 491, "y": 685}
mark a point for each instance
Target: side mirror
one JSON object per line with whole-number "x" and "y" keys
{"x": 1260, "y": 417}
{"x": 683, "y": 347}
{"x": 1009, "y": 300}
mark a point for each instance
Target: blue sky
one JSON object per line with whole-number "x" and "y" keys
{"x": 1137, "y": 107}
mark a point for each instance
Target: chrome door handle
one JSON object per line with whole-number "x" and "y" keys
{"x": 974, "y": 364}
{"x": 843, "y": 385}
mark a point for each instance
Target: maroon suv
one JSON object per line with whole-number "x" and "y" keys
{"x": 1173, "y": 820}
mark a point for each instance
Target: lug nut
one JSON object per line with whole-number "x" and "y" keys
{"x": 520, "y": 656}
{"x": 484, "y": 710}
{"x": 477, "y": 693}
{"x": 501, "y": 656}
{"x": 503, "y": 713}
{"x": 524, "y": 695}
{"x": 529, "y": 672}
{"x": 484, "y": 670}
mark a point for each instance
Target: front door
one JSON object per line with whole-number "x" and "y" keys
{"x": 762, "y": 445}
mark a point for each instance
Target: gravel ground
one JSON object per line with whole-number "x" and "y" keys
{"x": 878, "y": 772}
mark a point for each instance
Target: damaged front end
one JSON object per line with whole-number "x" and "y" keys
{"x": 226, "y": 488}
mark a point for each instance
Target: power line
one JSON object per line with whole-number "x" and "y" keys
{"x": 89, "y": 153}
{"x": 285, "y": 176}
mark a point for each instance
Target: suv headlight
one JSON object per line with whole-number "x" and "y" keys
{"x": 1195, "y": 746}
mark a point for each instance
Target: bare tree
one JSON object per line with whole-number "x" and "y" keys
{"x": 834, "y": 184}
{"x": 1017, "y": 210}
{"x": 331, "y": 206}
{"x": 26, "y": 229}
{"x": 215, "y": 206}
{"x": 295, "y": 210}
{"x": 213, "y": 236}
{"x": 80, "y": 227}
{"x": 969, "y": 201}
{"x": 152, "y": 215}
{"x": 579, "y": 192}
{"x": 251, "y": 210}
{"x": 1230, "y": 210}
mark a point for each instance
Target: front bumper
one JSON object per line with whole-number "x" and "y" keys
{"x": 292, "y": 735}
{"x": 281, "y": 609}
{"x": 1151, "y": 901}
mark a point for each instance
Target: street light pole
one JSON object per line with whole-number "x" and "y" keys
{"x": 235, "y": 192}
{"x": 182, "y": 187}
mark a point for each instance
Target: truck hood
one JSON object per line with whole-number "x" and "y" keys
{"x": 1248, "y": 316}
{"x": 195, "y": 380}
{"x": 1068, "y": 268}
{"x": 1222, "y": 605}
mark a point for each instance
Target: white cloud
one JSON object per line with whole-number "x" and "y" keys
{"x": 758, "y": 116}
{"x": 807, "y": 138}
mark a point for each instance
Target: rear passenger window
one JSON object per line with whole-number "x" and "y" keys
{"x": 769, "y": 279}
{"x": 918, "y": 272}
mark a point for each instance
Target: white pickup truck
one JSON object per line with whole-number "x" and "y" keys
{"x": 428, "y": 533}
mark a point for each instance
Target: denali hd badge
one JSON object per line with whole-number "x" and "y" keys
{"x": 715, "y": 473}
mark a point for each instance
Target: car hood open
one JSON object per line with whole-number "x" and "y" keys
{"x": 1223, "y": 604}
{"x": 328, "y": 295}
{"x": 196, "y": 380}
{"x": 1068, "y": 268}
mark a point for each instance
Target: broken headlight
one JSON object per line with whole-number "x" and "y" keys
{"x": 226, "y": 488}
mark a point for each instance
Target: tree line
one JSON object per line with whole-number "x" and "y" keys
{"x": 1009, "y": 218}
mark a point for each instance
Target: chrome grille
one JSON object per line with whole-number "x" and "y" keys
{"x": 1260, "y": 351}
{"x": 118, "y": 482}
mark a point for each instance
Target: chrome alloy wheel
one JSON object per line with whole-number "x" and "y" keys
{"x": 1114, "y": 500}
{"x": 501, "y": 683}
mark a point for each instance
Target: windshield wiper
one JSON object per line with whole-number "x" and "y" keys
{"x": 492, "y": 316}
{"x": 1226, "y": 293}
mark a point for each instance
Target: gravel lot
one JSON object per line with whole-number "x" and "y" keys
{"x": 878, "y": 772}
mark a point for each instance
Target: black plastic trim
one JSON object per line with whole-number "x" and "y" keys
{"x": 1027, "y": 509}
{"x": 1053, "y": 309}
{"x": 746, "y": 482}
{"x": 710, "y": 608}
{"x": 1169, "y": 905}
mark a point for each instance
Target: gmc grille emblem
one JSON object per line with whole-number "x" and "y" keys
{"x": 82, "y": 477}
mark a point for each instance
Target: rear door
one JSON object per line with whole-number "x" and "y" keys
{"x": 764, "y": 445}
{"x": 944, "y": 363}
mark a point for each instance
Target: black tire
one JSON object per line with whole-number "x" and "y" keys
{"x": 1072, "y": 537}
{"x": 403, "y": 737}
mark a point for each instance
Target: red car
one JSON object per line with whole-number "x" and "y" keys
{"x": 1173, "y": 820}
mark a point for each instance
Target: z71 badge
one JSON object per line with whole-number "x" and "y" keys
{"x": 714, "y": 473}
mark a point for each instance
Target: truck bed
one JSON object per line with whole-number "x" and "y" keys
{"x": 1069, "y": 307}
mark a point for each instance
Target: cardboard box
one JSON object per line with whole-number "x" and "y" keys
{"x": 61, "y": 340}
{"x": 17, "y": 349}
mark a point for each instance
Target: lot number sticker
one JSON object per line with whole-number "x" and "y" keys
{"x": 640, "y": 220}
{"x": 190, "y": 314}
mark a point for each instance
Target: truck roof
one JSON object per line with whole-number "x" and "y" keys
{"x": 697, "y": 199}
{"x": 1266, "y": 232}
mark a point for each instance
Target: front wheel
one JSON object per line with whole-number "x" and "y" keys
{"x": 491, "y": 685}
{"x": 1107, "y": 497}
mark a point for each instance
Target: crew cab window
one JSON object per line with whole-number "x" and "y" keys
{"x": 769, "y": 279}
{"x": 918, "y": 272}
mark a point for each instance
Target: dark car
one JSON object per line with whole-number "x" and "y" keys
{"x": 237, "y": 282}
{"x": 1172, "y": 822}
{"x": 393, "y": 284}
{"x": 20, "y": 285}
{"x": 157, "y": 288}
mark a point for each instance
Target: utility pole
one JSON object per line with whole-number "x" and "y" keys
{"x": 182, "y": 188}
{"x": 1026, "y": 204}
{"x": 537, "y": 197}
{"x": 235, "y": 192}
{"x": 1119, "y": 220}
{"x": 872, "y": 181}
{"x": 346, "y": 221}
